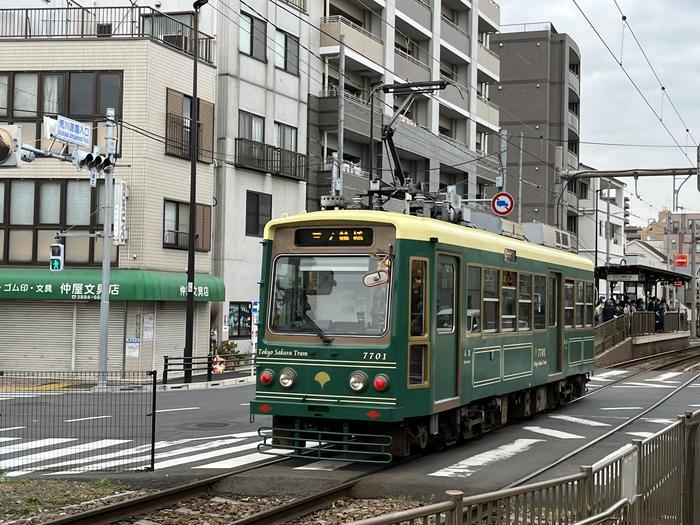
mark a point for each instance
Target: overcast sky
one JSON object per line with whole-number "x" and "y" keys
{"x": 611, "y": 108}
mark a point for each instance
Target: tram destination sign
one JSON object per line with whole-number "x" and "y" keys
{"x": 333, "y": 237}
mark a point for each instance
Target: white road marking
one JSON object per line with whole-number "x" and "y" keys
{"x": 247, "y": 434}
{"x": 206, "y": 455}
{"x": 660, "y": 421}
{"x": 552, "y": 433}
{"x": 633, "y": 384}
{"x": 8, "y": 439}
{"x": 69, "y": 451}
{"x": 160, "y": 455}
{"x": 85, "y": 419}
{"x": 469, "y": 466}
{"x": 579, "y": 420}
{"x": 34, "y": 444}
{"x": 324, "y": 465}
{"x": 665, "y": 377}
{"x": 642, "y": 435}
{"x": 245, "y": 404}
{"x": 694, "y": 405}
{"x": 694, "y": 386}
{"x": 11, "y": 428}
{"x": 243, "y": 460}
{"x": 622, "y": 408}
{"x": 610, "y": 373}
{"x": 175, "y": 409}
{"x": 591, "y": 385}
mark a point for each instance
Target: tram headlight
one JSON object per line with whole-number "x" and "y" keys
{"x": 288, "y": 377}
{"x": 358, "y": 381}
{"x": 267, "y": 377}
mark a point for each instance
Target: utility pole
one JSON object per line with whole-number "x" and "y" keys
{"x": 558, "y": 187}
{"x": 106, "y": 252}
{"x": 520, "y": 181}
{"x": 693, "y": 284}
{"x": 338, "y": 182}
{"x": 502, "y": 160}
{"x": 607, "y": 239}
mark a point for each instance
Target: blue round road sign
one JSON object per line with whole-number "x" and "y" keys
{"x": 502, "y": 203}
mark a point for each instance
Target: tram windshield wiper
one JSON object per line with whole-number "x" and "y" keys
{"x": 317, "y": 329}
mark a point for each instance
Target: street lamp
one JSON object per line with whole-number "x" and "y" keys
{"x": 194, "y": 147}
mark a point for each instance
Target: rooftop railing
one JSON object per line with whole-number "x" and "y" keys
{"x": 105, "y": 22}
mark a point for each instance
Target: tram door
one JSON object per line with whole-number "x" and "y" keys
{"x": 555, "y": 322}
{"x": 447, "y": 368}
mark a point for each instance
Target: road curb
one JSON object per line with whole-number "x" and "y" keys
{"x": 224, "y": 383}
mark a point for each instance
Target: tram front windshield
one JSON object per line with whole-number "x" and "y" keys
{"x": 328, "y": 292}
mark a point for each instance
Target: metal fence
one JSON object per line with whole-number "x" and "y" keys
{"x": 208, "y": 367}
{"x": 655, "y": 480}
{"x": 74, "y": 422}
{"x": 277, "y": 161}
{"x": 612, "y": 332}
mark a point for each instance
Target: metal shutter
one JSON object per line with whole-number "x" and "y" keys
{"x": 36, "y": 335}
{"x": 169, "y": 334}
{"x": 87, "y": 337}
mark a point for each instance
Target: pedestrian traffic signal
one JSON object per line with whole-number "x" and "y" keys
{"x": 56, "y": 257}
{"x": 84, "y": 159}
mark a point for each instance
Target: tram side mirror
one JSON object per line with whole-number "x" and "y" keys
{"x": 375, "y": 278}
{"x": 319, "y": 283}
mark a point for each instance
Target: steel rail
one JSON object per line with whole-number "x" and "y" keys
{"x": 611, "y": 432}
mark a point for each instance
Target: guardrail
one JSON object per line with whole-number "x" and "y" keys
{"x": 270, "y": 159}
{"x": 611, "y": 333}
{"x": 210, "y": 364}
{"x": 655, "y": 480}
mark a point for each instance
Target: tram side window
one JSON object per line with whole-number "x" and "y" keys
{"x": 580, "y": 303}
{"x": 540, "y": 306}
{"x": 445, "y": 297}
{"x": 524, "y": 301}
{"x": 553, "y": 301}
{"x": 508, "y": 294}
{"x": 569, "y": 303}
{"x": 418, "y": 284}
{"x": 589, "y": 304}
{"x": 473, "y": 299}
{"x": 417, "y": 367}
{"x": 491, "y": 300}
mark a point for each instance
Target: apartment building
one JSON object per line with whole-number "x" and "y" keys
{"x": 77, "y": 62}
{"x": 539, "y": 96}
{"x": 442, "y": 139}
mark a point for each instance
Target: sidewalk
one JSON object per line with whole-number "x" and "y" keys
{"x": 231, "y": 378}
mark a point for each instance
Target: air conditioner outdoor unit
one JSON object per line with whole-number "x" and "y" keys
{"x": 178, "y": 41}
{"x": 104, "y": 29}
{"x": 547, "y": 235}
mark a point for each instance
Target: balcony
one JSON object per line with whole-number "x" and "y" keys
{"x": 105, "y": 22}
{"x": 452, "y": 93}
{"x": 572, "y": 119}
{"x": 487, "y": 111}
{"x": 417, "y": 10}
{"x": 410, "y": 68}
{"x": 177, "y": 139}
{"x": 269, "y": 159}
{"x": 488, "y": 60}
{"x": 356, "y": 38}
{"x": 572, "y": 159}
{"x": 574, "y": 81}
{"x": 455, "y": 36}
{"x": 492, "y": 10}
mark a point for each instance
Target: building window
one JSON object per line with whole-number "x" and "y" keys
{"x": 176, "y": 229}
{"x": 239, "y": 319}
{"x": 491, "y": 300}
{"x": 287, "y": 52}
{"x": 178, "y": 127}
{"x": 33, "y": 211}
{"x": 572, "y": 223}
{"x": 252, "y": 36}
{"x": 251, "y": 127}
{"x": 285, "y": 137}
{"x": 258, "y": 213}
{"x": 583, "y": 191}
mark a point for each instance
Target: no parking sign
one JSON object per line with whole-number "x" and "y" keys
{"x": 502, "y": 203}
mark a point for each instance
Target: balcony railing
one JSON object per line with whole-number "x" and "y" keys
{"x": 455, "y": 35}
{"x": 492, "y": 10}
{"x": 177, "y": 138}
{"x": 488, "y": 59}
{"x": 269, "y": 159}
{"x": 299, "y": 4}
{"x": 105, "y": 22}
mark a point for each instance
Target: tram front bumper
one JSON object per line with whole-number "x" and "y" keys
{"x": 316, "y": 410}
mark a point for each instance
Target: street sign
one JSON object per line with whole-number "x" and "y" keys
{"x": 73, "y": 132}
{"x": 681, "y": 259}
{"x": 502, "y": 203}
{"x": 624, "y": 277}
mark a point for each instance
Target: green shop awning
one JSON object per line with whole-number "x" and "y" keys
{"x": 86, "y": 285}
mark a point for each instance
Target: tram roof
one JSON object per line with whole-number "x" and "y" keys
{"x": 423, "y": 229}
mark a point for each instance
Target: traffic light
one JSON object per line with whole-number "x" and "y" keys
{"x": 10, "y": 146}
{"x": 626, "y": 207}
{"x": 56, "y": 257}
{"x": 84, "y": 159}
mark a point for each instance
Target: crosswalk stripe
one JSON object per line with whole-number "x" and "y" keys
{"x": 8, "y": 439}
{"x": 634, "y": 384}
{"x": 52, "y": 454}
{"x": 665, "y": 377}
{"x": 579, "y": 420}
{"x": 34, "y": 444}
{"x": 660, "y": 421}
{"x": 206, "y": 455}
{"x": 243, "y": 460}
{"x": 324, "y": 465}
{"x": 609, "y": 373}
{"x": 553, "y": 433}
{"x": 11, "y": 428}
{"x": 469, "y": 466}
{"x": 147, "y": 458}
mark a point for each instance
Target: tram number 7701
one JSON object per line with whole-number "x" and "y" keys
{"x": 374, "y": 356}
